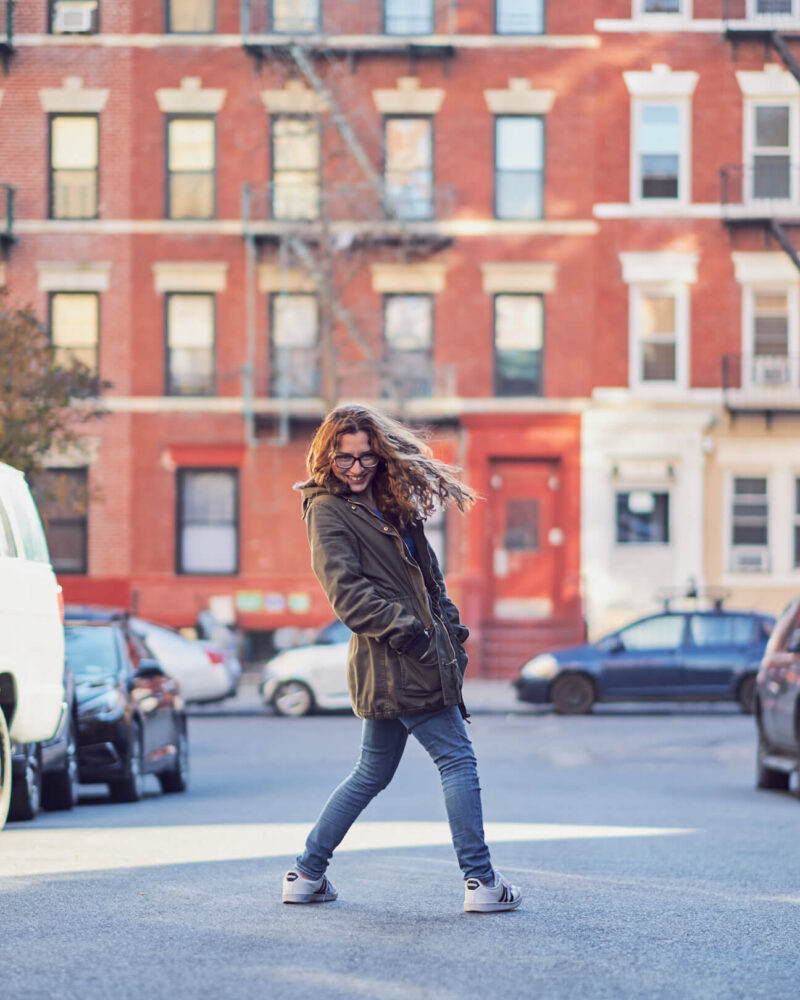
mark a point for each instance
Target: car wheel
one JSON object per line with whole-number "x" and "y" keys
{"x": 293, "y": 698}
{"x": 768, "y": 777}
{"x": 26, "y": 794}
{"x": 60, "y": 788}
{"x": 177, "y": 778}
{"x": 5, "y": 769}
{"x": 129, "y": 789}
{"x": 747, "y": 694}
{"x": 572, "y": 694}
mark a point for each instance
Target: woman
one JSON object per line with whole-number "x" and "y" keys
{"x": 371, "y": 484}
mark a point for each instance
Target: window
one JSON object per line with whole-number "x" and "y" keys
{"x": 518, "y": 345}
{"x": 74, "y": 16}
{"x": 655, "y": 351}
{"x": 769, "y": 363}
{"x": 295, "y": 168}
{"x": 519, "y": 17}
{"x": 771, "y": 152}
{"x": 408, "y": 17}
{"x": 796, "y": 562}
{"x": 658, "y": 131}
{"x": 660, "y": 6}
{"x": 774, "y": 6}
{"x": 73, "y": 166}
{"x": 750, "y": 523}
{"x": 519, "y": 153}
{"x": 642, "y": 518}
{"x": 208, "y": 521}
{"x": 522, "y": 524}
{"x": 191, "y": 158}
{"x": 295, "y": 16}
{"x": 75, "y": 327}
{"x": 190, "y": 345}
{"x": 62, "y": 496}
{"x": 721, "y": 630}
{"x": 190, "y": 16}
{"x": 294, "y": 355}
{"x": 436, "y": 533}
{"x": 408, "y": 332}
{"x": 409, "y": 166}
{"x": 661, "y": 632}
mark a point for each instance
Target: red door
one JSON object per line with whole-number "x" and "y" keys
{"x": 525, "y": 557}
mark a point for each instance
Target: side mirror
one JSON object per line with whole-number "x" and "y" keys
{"x": 149, "y": 669}
{"x": 612, "y": 644}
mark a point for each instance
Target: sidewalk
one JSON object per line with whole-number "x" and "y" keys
{"x": 482, "y": 697}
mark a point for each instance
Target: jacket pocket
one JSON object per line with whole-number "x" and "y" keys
{"x": 420, "y": 677}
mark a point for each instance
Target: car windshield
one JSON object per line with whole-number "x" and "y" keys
{"x": 91, "y": 650}
{"x": 335, "y": 632}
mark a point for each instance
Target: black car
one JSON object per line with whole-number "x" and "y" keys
{"x": 694, "y": 655}
{"x": 46, "y": 774}
{"x": 777, "y": 707}
{"x": 131, "y": 718}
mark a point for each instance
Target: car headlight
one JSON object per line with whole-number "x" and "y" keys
{"x": 541, "y": 667}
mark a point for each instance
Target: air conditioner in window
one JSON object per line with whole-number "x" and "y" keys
{"x": 753, "y": 559}
{"x": 72, "y": 20}
{"x": 769, "y": 371}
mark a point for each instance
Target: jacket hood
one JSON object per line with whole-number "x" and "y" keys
{"x": 309, "y": 491}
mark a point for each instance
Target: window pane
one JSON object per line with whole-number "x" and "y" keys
{"x": 208, "y": 549}
{"x": 771, "y": 176}
{"x": 662, "y": 6}
{"x": 209, "y": 497}
{"x": 191, "y": 196}
{"x": 750, "y": 511}
{"x": 516, "y": 17}
{"x": 409, "y": 17}
{"x": 295, "y": 320}
{"x": 409, "y": 157}
{"x": 296, "y": 144}
{"x": 519, "y": 143}
{"x": 664, "y": 632}
{"x": 518, "y": 345}
{"x": 62, "y": 496}
{"x": 294, "y": 368}
{"x": 658, "y": 362}
{"x": 659, "y": 150}
{"x": 191, "y": 144}
{"x": 721, "y": 630}
{"x": 74, "y": 320}
{"x": 522, "y": 525}
{"x": 642, "y": 518}
{"x": 208, "y": 531}
{"x": 190, "y": 320}
{"x": 772, "y": 126}
{"x": 74, "y": 143}
{"x": 295, "y": 15}
{"x": 191, "y": 15}
{"x": 409, "y": 322}
{"x": 657, "y": 314}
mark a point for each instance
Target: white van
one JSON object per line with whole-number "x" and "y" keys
{"x": 31, "y": 628}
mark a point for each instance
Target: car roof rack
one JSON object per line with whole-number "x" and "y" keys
{"x": 697, "y": 598}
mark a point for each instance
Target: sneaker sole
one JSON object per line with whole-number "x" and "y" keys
{"x": 492, "y": 907}
{"x": 324, "y": 898}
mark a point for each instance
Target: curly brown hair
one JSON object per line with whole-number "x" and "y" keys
{"x": 409, "y": 482}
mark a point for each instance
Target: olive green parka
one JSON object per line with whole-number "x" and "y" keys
{"x": 387, "y": 599}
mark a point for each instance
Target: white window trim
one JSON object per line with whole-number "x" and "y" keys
{"x": 684, "y": 156}
{"x": 681, "y": 380}
{"x": 749, "y": 293}
{"x": 748, "y": 140}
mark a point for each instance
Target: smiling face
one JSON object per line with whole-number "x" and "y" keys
{"x": 356, "y": 477}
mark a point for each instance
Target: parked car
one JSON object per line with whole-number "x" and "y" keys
{"x": 777, "y": 706}
{"x": 231, "y": 663}
{"x": 45, "y": 774}
{"x": 31, "y": 630}
{"x": 299, "y": 680}
{"x": 673, "y": 656}
{"x": 131, "y": 718}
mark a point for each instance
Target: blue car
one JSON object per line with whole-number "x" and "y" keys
{"x": 672, "y": 656}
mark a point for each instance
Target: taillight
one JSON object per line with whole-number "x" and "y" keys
{"x": 214, "y": 656}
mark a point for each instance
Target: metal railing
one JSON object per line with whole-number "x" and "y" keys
{"x": 6, "y": 212}
{"x": 762, "y": 15}
{"x": 390, "y": 18}
{"x": 768, "y": 187}
{"x": 7, "y": 24}
{"x": 761, "y": 381}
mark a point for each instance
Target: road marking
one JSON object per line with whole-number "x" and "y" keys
{"x": 27, "y": 851}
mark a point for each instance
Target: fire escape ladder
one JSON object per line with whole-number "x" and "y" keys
{"x": 7, "y": 33}
{"x": 780, "y": 234}
{"x": 778, "y": 42}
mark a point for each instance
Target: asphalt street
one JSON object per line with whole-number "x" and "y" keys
{"x": 651, "y": 869}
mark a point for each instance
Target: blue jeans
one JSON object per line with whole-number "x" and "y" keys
{"x": 445, "y": 738}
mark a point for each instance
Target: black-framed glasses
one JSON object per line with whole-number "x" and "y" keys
{"x": 344, "y": 461}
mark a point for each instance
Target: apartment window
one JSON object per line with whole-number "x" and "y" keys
{"x": 295, "y": 16}
{"x": 661, "y": 6}
{"x": 408, "y": 333}
{"x": 658, "y": 130}
{"x": 75, "y": 327}
{"x": 771, "y": 151}
{"x": 190, "y": 345}
{"x": 62, "y": 496}
{"x": 191, "y": 160}
{"x": 408, "y": 17}
{"x": 190, "y": 16}
{"x": 642, "y": 518}
{"x": 519, "y": 155}
{"x": 519, "y": 17}
{"x": 74, "y": 156}
{"x": 655, "y": 346}
{"x": 409, "y": 166}
{"x": 518, "y": 345}
{"x": 797, "y": 523}
{"x": 74, "y": 16}
{"x": 775, "y": 6}
{"x": 294, "y": 345}
{"x": 750, "y": 523}
{"x": 208, "y": 521}
{"x": 295, "y": 168}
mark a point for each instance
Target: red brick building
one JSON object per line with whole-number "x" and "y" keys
{"x": 498, "y": 218}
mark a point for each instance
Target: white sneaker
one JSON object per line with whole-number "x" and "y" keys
{"x": 299, "y": 889}
{"x": 480, "y": 898}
